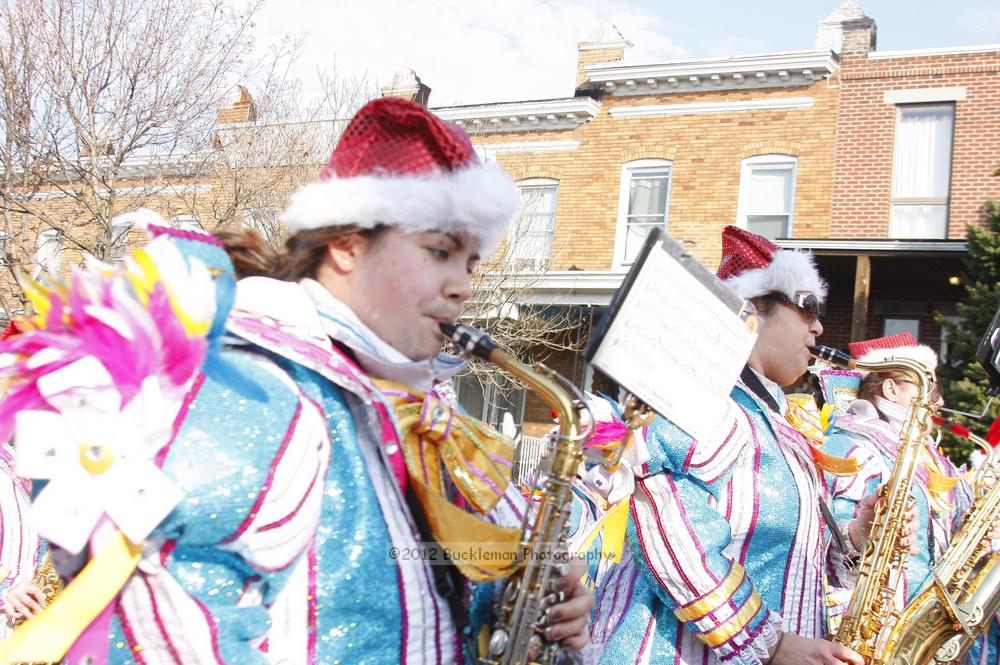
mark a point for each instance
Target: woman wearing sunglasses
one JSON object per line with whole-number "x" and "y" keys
{"x": 726, "y": 535}
{"x": 869, "y": 431}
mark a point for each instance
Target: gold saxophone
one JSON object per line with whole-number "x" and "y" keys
{"x": 518, "y": 636}
{"x": 871, "y": 616}
{"x": 946, "y": 618}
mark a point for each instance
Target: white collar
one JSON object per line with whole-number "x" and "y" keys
{"x": 376, "y": 356}
{"x": 896, "y": 414}
{"x": 879, "y": 408}
{"x": 774, "y": 390}
{"x": 862, "y": 409}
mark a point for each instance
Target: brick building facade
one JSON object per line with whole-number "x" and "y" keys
{"x": 876, "y": 162}
{"x": 918, "y": 139}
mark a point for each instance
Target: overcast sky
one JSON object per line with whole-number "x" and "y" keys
{"x": 473, "y": 51}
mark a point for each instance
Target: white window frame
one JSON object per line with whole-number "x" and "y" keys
{"x": 541, "y": 263}
{"x": 119, "y": 242}
{"x": 928, "y": 200}
{"x": 628, "y": 170}
{"x": 773, "y": 161}
{"x": 185, "y": 222}
{"x": 43, "y": 238}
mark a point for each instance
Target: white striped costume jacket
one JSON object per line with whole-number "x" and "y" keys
{"x": 252, "y": 475}
{"x": 21, "y": 550}
{"x": 726, "y": 542}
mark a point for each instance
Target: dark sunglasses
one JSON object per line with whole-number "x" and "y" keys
{"x": 807, "y": 305}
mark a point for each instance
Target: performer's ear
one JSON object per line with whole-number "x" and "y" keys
{"x": 344, "y": 252}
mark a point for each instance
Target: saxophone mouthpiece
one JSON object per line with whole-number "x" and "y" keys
{"x": 833, "y": 356}
{"x": 470, "y": 340}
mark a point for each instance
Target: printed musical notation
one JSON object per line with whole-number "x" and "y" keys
{"x": 674, "y": 344}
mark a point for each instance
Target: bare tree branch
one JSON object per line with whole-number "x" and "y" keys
{"x": 103, "y": 100}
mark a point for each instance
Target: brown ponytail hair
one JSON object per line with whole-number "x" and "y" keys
{"x": 301, "y": 257}
{"x": 871, "y": 385}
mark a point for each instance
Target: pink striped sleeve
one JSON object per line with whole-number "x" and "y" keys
{"x": 287, "y": 510}
{"x": 683, "y": 543}
{"x": 710, "y": 459}
{"x": 19, "y": 542}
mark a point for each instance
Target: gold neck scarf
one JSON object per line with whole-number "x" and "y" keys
{"x": 478, "y": 460}
{"x": 804, "y": 416}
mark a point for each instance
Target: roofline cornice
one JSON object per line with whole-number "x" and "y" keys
{"x": 783, "y": 69}
{"x": 566, "y": 113}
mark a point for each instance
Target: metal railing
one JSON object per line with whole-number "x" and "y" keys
{"x": 529, "y": 453}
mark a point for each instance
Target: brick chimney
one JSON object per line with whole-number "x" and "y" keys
{"x": 847, "y": 31}
{"x": 241, "y": 108}
{"x": 605, "y": 44}
{"x": 407, "y": 85}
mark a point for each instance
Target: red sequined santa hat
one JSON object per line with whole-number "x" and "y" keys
{"x": 993, "y": 436}
{"x": 753, "y": 265}
{"x": 400, "y": 165}
{"x": 903, "y": 345}
{"x": 10, "y": 330}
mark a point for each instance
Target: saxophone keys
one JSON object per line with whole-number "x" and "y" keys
{"x": 535, "y": 645}
{"x": 498, "y": 642}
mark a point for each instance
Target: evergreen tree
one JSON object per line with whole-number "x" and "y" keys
{"x": 964, "y": 380}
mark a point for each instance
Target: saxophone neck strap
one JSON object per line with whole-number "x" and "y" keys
{"x": 753, "y": 382}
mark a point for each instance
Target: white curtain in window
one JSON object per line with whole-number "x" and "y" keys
{"x": 767, "y": 195}
{"x": 919, "y": 221}
{"x": 647, "y": 207}
{"x": 770, "y": 191}
{"x": 47, "y": 251}
{"x": 898, "y": 326}
{"x": 648, "y": 194}
{"x": 119, "y": 241}
{"x": 532, "y": 233}
{"x": 922, "y": 155}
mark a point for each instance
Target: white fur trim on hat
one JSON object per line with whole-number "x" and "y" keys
{"x": 480, "y": 200}
{"x": 790, "y": 272}
{"x": 921, "y": 353}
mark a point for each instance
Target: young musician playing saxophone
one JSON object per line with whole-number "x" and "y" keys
{"x": 381, "y": 253}
{"x": 869, "y": 431}
{"x": 726, "y": 535}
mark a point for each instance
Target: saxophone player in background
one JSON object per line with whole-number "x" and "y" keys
{"x": 22, "y": 551}
{"x": 869, "y": 431}
{"x": 726, "y": 538}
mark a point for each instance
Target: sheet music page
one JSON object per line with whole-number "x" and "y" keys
{"x": 675, "y": 345}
